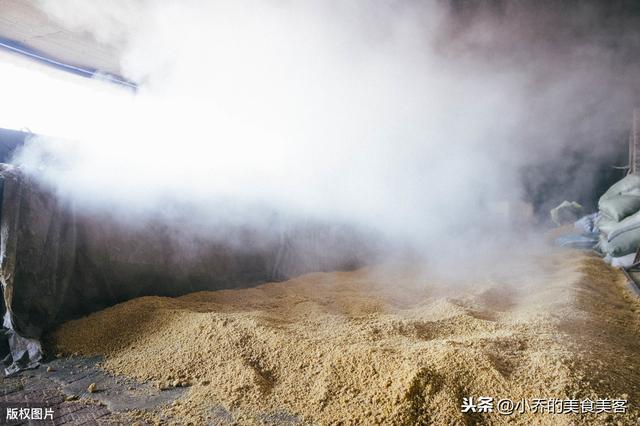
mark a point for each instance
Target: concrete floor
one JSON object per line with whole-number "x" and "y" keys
{"x": 62, "y": 385}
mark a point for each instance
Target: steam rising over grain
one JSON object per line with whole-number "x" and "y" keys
{"x": 426, "y": 122}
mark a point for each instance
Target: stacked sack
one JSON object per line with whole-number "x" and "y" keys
{"x": 619, "y": 218}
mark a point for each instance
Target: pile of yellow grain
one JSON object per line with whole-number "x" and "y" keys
{"x": 392, "y": 346}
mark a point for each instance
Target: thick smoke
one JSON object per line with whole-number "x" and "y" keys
{"x": 416, "y": 119}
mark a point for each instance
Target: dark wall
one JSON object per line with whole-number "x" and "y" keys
{"x": 575, "y": 176}
{"x": 582, "y": 58}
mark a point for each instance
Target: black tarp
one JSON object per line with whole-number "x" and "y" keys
{"x": 56, "y": 264}
{"x": 37, "y": 258}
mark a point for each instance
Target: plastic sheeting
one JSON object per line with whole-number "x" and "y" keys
{"x": 566, "y": 212}
{"x": 587, "y": 224}
{"x": 56, "y": 264}
{"x": 585, "y": 242}
{"x": 37, "y": 253}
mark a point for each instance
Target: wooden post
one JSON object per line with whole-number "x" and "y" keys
{"x": 634, "y": 143}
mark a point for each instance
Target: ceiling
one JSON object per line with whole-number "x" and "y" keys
{"x": 23, "y": 25}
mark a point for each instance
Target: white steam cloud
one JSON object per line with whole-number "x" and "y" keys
{"x": 358, "y": 112}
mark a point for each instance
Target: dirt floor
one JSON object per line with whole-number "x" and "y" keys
{"x": 552, "y": 331}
